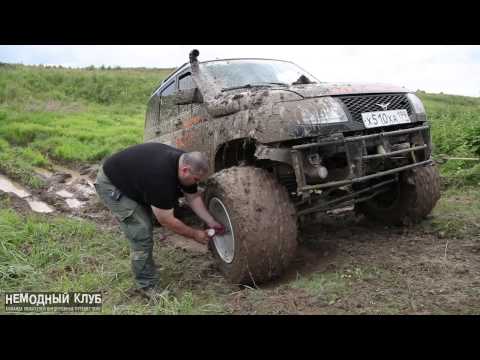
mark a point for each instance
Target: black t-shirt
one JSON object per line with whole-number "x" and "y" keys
{"x": 148, "y": 174}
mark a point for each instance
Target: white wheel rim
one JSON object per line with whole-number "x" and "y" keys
{"x": 224, "y": 244}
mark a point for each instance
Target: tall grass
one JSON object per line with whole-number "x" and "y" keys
{"x": 19, "y": 84}
{"x": 455, "y": 122}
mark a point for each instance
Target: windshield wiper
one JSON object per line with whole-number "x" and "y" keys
{"x": 277, "y": 83}
{"x": 249, "y": 86}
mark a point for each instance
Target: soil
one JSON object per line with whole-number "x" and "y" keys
{"x": 419, "y": 272}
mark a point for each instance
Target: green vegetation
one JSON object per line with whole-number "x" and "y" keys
{"x": 36, "y": 86}
{"x": 69, "y": 116}
{"x": 455, "y": 124}
{"x": 41, "y": 253}
{"x": 457, "y": 213}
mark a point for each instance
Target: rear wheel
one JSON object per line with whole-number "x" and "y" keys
{"x": 261, "y": 236}
{"x": 409, "y": 201}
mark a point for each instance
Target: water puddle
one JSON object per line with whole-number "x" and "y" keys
{"x": 86, "y": 190}
{"x": 65, "y": 194}
{"x": 39, "y": 206}
{"x": 74, "y": 203}
{"x": 73, "y": 183}
{"x": 8, "y": 186}
{"x": 74, "y": 175}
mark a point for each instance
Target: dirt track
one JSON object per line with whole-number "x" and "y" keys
{"x": 349, "y": 265}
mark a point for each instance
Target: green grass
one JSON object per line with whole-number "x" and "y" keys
{"x": 69, "y": 116}
{"x": 19, "y": 162}
{"x": 455, "y": 122}
{"x": 325, "y": 286}
{"x": 20, "y": 85}
{"x": 40, "y": 253}
{"x": 457, "y": 213}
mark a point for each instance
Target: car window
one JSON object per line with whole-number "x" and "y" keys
{"x": 169, "y": 90}
{"x": 186, "y": 82}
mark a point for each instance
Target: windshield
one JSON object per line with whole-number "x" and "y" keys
{"x": 239, "y": 73}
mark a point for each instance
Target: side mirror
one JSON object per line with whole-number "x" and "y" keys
{"x": 188, "y": 96}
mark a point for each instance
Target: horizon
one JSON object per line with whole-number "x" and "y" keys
{"x": 447, "y": 69}
{"x": 115, "y": 68}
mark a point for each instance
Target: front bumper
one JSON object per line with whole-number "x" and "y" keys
{"x": 357, "y": 156}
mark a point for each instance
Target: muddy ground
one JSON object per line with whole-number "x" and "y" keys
{"x": 345, "y": 264}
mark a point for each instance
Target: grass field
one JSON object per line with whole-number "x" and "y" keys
{"x": 73, "y": 117}
{"x": 69, "y": 116}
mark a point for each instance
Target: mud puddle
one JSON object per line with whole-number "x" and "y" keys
{"x": 70, "y": 191}
{"x": 9, "y": 186}
{"x": 39, "y": 206}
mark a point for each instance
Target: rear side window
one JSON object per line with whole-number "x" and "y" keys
{"x": 169, "y": 90}
{"x": 186, "y": 82}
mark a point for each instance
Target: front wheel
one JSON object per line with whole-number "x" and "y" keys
{"x": 409, "y": 201}
{"x": 260, "y": 221}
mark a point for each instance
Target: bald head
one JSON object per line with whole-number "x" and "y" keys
{"x": 196, "y": 161}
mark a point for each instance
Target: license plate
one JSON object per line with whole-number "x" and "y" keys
{"x": 385, "y": 118}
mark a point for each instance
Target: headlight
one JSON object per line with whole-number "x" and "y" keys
{"x": 325, "y": 110}
{"x": 416, "y": 103}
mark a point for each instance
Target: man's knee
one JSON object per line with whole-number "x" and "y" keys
{"x": 140, "y": 255}
{"x": 139, "y": 231}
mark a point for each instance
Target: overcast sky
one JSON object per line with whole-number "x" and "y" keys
{"x": 448, "y": 68}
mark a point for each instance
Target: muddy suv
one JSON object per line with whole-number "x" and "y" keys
{"x": 283, "y": 145}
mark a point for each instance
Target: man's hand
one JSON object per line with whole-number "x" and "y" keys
{"x": 201, "y": 237}
{"x": 219, "y": 228}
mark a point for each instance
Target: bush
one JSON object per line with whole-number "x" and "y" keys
{"x": 473, "y": 139}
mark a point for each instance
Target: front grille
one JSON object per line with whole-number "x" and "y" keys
{"x": 358, "y": 104}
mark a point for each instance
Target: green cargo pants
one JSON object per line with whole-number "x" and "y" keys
{"x": 137, "y": 223}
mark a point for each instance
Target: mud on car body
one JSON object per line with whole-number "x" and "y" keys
{"x": 283, "y": 144}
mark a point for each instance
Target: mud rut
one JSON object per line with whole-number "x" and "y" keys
{"x": 424, "y": 273}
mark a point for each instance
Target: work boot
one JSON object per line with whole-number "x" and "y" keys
{"x": 154, "y": 293}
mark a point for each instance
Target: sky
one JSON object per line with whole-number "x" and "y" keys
{"x": 451, "y": 69}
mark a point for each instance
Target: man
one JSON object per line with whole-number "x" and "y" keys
{"x": 149, "y": 178}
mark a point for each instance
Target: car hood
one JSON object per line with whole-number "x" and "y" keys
{"x": 228, "y": 103}
{"x": 332, "y": 89}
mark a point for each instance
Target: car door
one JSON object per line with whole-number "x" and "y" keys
{"x": 190, "y": 131}
{"x": 167, "y": 114}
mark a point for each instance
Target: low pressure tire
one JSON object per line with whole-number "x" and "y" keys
{"x": 261, "y": 237}
{"x": 410, "y": 201}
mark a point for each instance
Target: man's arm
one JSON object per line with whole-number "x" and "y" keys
{"x": 195, "y": 201}
{"x": 168, "y": 220}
